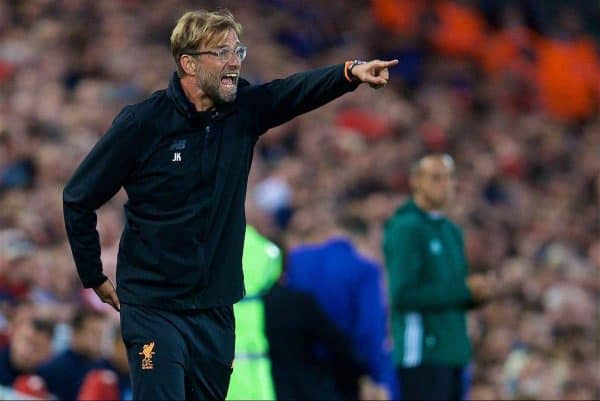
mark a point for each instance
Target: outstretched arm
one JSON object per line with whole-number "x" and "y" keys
{"x": 281, "y": 100}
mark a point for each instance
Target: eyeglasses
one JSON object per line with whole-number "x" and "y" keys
{"x": 224, "y": 54}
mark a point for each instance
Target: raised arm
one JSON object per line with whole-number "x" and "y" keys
{"x": 281, "y": 100}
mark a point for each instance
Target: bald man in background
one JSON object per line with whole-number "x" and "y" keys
{"x": 429, "y": 287}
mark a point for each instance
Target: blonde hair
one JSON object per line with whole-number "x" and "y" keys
{"x": 198, "y": 28}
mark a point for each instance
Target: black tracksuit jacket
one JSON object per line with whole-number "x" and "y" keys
{"x": 185, "y": 174}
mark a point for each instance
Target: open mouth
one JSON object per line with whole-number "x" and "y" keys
{"x": 229, "y": 80}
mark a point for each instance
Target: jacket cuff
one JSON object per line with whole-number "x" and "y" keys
{"x": 470, "y": 302}
{"x": 352, "y": 83}
{"x": 93, "y": 282}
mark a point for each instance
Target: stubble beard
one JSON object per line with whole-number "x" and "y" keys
{"x": 210, "y": 84}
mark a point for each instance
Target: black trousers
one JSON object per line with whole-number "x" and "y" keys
{"x": 179, "y": 355}
{"x": 427, "y": 382}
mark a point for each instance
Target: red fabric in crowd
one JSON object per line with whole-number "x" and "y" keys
{"x": 99, "y": 384}
{"x": 368, "y": 124}
{"x": 32, "y": 385}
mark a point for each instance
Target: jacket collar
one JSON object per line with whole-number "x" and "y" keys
{"x": 175, "y": 93}
{"x": 412, "y": 206}
{"x": 185, "y": 107}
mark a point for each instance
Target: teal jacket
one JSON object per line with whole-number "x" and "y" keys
{"x": 426, "y": 266}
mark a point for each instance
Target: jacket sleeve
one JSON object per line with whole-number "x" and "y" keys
{"x": 281, "y": 100}
{"x": 404, "y": 257}
{"x": 97, "y": 179}
{"x": 471, "y": 303}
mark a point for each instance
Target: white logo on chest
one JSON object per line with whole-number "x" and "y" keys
{"x": 435, "y": 246}
{"x": 176, "y": 157}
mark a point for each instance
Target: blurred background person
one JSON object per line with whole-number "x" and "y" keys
{"x": 110, "y": 381}
{"x": 278, "y": 331}
{"x": 64, "y": 373}
{"x": 430, "y": 289}
{"x": 30, "y": 345}
{"x": 350, "y": 289}
{"x": 252, "y": 376}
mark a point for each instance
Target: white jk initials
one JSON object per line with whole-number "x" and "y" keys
{"x": 176, "y": 157}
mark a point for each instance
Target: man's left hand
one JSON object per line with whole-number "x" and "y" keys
{"x": 374, "y": 72}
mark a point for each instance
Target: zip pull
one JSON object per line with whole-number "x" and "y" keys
{"x": 206, "y": 135}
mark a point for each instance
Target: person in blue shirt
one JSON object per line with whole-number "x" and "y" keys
{"x": 111, "y": 378}
{"x": 30, "y": 345}
{"x": 65, "y": 372}
{"x": 349, "y": 288}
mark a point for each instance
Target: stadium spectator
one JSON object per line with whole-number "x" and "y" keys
{"x": 29, "y": 347}
{"x": 110, "y": 381}
{"x": 64, "y": 373}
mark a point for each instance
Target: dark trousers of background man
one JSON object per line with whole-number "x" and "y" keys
{"x": 429, "y": 382}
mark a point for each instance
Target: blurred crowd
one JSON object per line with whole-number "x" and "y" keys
{"x": 510, "y": 89}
